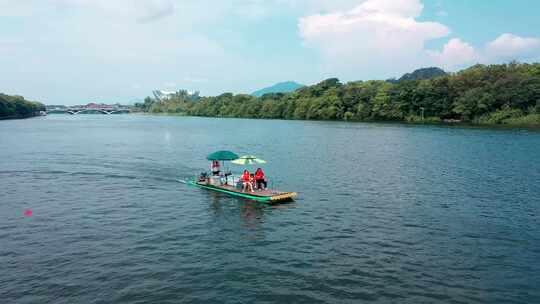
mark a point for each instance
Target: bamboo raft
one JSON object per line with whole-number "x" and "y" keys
{"x": 267, "y": 196}
{"x": 216, "y": 182}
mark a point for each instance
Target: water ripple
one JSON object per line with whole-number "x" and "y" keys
{"x": 387, "y": 214}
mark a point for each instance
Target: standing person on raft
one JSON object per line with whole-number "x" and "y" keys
{"x": 215, "y": 168}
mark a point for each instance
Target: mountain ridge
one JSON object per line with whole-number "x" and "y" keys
{"x": 280, "y": 87}
{"x": 420, "y": 74}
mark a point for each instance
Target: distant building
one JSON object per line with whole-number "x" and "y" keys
{"x": 98, "y": 106}
{"x": 161, "y": 95}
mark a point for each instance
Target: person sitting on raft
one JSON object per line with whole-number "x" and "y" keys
{"x": 252, "y": 180}
{"x": 246, "y": 180}
{"x": 260, "y": 179}
{"x": 215, "y": 168}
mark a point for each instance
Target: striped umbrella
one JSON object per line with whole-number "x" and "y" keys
{"x": 248, "y": 160}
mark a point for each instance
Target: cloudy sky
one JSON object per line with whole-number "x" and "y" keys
{"x": 77, "y": 51}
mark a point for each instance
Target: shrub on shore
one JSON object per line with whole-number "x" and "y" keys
{"x": 17, "y": 106}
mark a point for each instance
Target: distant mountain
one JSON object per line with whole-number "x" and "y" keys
{"x": 425, "y": 73}
{"x": 282, "y": 87}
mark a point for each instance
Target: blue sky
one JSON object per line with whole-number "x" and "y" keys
{"x": 79, "y": 51}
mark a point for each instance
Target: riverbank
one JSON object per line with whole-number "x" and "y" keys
{"x": 504, "y": 94}
{"x": 20, "y": 116}
{"x": 515, "y": 124}
{"x": 16, "y": 107}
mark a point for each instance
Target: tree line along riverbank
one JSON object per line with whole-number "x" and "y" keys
{"x": 506, "y": 94}
{"x": 13, "y": 107}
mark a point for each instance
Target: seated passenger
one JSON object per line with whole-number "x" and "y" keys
{"x": 260, "y": 179}
{"x": 203, "y": 177}
{"x": 252, "y": 180}
{"x": 246, "y": 180}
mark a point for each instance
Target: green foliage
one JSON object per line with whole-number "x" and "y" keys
{"x": 17, "y": 106}
{"x": 527, "y": 120}
{"x": 500, "y": 116}
{"x": 495, "y": 94}
{"x": 509, "y": 116}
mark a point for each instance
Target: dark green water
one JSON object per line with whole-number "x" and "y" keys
{"x": 386, "y": 213}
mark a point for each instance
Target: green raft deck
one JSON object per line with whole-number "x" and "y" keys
{"x": 268, "y": 196}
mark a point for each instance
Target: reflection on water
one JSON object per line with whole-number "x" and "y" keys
{"x": 252, "y": 213}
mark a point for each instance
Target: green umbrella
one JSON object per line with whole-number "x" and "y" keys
{"x": 248, "y": 160}
{"x": 222, "y": 155}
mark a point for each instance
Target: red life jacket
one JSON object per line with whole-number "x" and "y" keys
{"x": 259, "y": 175}
{"x": 245, "y": 177}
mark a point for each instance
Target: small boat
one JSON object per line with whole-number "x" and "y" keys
{"x": 228, "y": 183}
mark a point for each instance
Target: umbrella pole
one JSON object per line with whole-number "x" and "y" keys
{"x": 224, "y": 171}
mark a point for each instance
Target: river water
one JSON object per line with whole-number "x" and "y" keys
{"x": 386, "y": 213}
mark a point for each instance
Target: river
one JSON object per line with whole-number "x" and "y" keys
{"x": 385, "y": 213}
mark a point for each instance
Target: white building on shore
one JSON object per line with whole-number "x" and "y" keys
{"x": 161, "y": 95}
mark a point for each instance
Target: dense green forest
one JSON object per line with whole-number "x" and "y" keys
{"x": 18, "y": 107}
{"x": 483, "y": 94}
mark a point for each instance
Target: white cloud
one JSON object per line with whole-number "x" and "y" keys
{"x": 377, "y": 35}
{"x": 260, "y": 9}
{"x": 98, "y": 49}
{"x": 396, "y": 8}
{"x": 141, "y": 10}
{"x": 318, "y": 6}
{"x": 155, "y": 10}
{"x": 381, "y": 38}
{"x": 511, "y": 47}
{"x": 109, "y": 48}
{"x": 455, "y": 53}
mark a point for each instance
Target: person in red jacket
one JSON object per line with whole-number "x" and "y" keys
{"x": 260, "y": 179}
{"x": 246, "y": 180}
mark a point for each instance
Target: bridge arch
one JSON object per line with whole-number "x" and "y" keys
{"x": 91, "y": 110}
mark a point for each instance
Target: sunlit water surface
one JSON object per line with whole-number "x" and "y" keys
{"x": 386, "y": 213}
